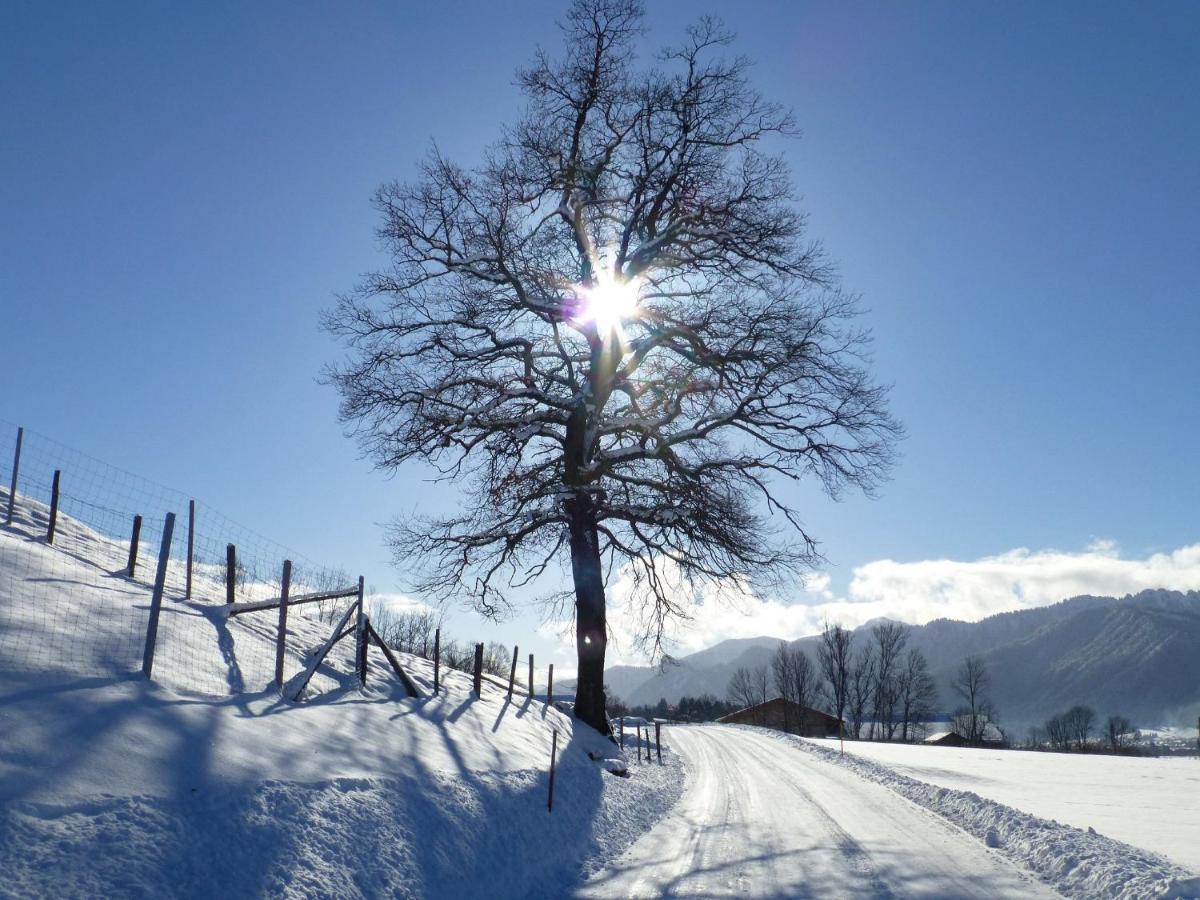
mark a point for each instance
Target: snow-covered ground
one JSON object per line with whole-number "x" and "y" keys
{"x": 114, "y": 786}
{"x": 1148, "y": 802}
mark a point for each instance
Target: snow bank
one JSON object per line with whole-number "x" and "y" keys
{"x": 1139, "y": 800}
{"x": 111, "y": 785}
{"x": 1076, "y": 863}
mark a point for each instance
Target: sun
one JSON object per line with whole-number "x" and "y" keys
{"x": 610, "y": 302}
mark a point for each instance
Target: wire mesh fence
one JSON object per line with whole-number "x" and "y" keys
{"x": 80, "y": 543}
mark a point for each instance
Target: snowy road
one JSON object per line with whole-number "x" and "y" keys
{"x": 759, "y": 818}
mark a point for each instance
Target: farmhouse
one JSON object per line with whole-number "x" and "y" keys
{"x": 783, "y": 715}
{"x": 992, "y": 737}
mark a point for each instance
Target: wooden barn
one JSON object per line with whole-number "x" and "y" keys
{"x": 992, "y": 737}
{"x": 784, "y": 715}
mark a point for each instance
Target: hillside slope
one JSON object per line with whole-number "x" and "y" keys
{"x": 206, "y": 781}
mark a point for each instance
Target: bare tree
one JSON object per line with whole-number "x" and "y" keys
{"x": 496, "y": 659}
{"x": 748, "y": 687}
{"x": 1058, "y": 733}
{"x": 971, "y": 683}
{"x": 796, "y": 682}
{"x": 804, "y": 679}
{"x": 615, "y": 336}
{"x": 1120, "y": 733}
{"x": 889, "y": 640}
{"x": 916, "y": 693}
{"x": 861, "y": 688}
{"x": 833, "y": 656}
{"x": 781, "y": 672}
{"x": 1078, "y": 721}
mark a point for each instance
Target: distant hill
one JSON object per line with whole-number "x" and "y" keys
{"x": 1136, "y": 655}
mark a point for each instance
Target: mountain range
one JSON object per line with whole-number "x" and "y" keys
{"x": 1137, "y": 656}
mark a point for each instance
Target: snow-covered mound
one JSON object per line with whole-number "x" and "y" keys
{"x": 206, "y": 781}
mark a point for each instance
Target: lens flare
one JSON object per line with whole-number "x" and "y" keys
{"x": 610, "y": 302}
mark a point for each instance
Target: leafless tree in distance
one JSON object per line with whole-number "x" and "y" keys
{"x": 834, "y": 657}
{"x": 616, "y": 337}
{"x": 971, "y": 683}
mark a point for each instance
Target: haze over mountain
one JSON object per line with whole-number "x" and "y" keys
{"x": 1135, "y": 656}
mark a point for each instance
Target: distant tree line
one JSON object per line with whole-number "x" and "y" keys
{"x": 882, "y": 688}
{"x": 705, "y": 708}
{"x": 1071, "y": 732}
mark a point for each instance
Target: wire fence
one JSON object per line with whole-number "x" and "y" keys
{"x": 80, "y": 542}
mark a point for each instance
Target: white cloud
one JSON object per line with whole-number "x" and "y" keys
{"x": 914, "y": 592}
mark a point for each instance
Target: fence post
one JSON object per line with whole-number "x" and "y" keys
{"x": 530, "y": 676}
{"x": 478, "y": 669}
{"x": 187, "y": 590}
{"x": 550, "y": 685}
{"x": 53, "y": 506}
{"x": 230, "y": 571}
{"x": 12, "y": 488}
{"x": 658, "y": 740}
{"x": 512, "y": 675}
{"x": 553, "y": 754}
{"x": 647, "y": 742}
{"x": 437, "y": 657}
{"x": 281, "y": 633}
{"x": 133, "y": 546}
{"x": 360, "y": 636}
{"x": 638, "y": 744}
{"x": 363, "y": 647}
{"x": 622, "y": 732}
{"x": 160, "y": 580}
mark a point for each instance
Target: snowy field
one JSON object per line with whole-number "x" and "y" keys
{"x": 114, "y": 786}
{"x": 1150, "y": 803}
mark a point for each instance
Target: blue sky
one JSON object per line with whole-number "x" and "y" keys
{"x": 1014, "y": 189}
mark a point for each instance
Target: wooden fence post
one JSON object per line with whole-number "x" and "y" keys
{"x": 362, "y": 653}
{"x": 160, "y": 580}
{"x": 12, "y": 487}
{"x": 230, "y": 571}
{"x": 133, "y": 546}
{"x": 437, "y": 657}
{"x": 285, "y": 586}
{"x": 360, "y": 635}
{"x": 553, "y": 754}
{"x": 187, "y": 589}
{"x": 658, "y": 740}
{"x": 53, "y": 506}
{"x": 512, "y": 675}
{"x": 622, "y": 732}
{"x": 478, "y": 677}
{"x": 647, "y": 742}
{"x": 550, "y": 685}
{"x": 530, "y": 676}
{"x": 638, "y": 744}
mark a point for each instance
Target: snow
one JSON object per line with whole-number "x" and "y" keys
{"x": 1143, "y": 801}
{"x": 759, "y": 818}
{"x": 111, "y": 785}
{"x": 1077, "y": 863}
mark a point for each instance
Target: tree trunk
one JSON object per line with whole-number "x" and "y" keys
{"x": 591, "y": 629}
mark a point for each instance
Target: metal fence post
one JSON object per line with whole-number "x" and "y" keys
{"x": 160, "y": 580}
{"x": 12, "y": 488}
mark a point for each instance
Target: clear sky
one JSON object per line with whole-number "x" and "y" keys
{"x": 1014, "y": 188}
